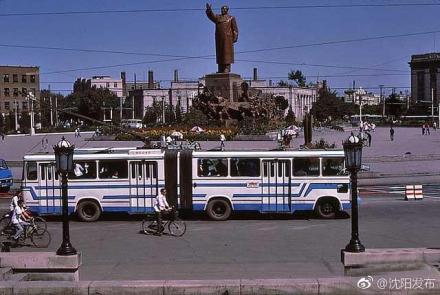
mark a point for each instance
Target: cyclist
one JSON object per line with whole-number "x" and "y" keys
{"x": 160, "y": 206}
{"x": 19, "y": 219}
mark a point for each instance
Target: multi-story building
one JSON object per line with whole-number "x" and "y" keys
{"x": 15, "y": 84}
{"x": 114, "y": 85}
{"x": 182, "y": 93}
{"x": 360, "y": 94}
{"x": 425, "y": 77}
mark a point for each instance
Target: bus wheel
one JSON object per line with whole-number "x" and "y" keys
{"x": 219, "y": 210}
{"x": 88, "y": 211}
{"x": 327, "y": 208}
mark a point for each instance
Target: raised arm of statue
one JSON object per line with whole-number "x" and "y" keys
{"x": 210, "y": 14}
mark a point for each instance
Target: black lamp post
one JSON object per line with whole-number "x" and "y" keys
{"x": 64, "y": 164}
{"x": 353, "y": 162}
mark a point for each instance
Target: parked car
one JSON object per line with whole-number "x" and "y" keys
{"x": 5, "y": 177}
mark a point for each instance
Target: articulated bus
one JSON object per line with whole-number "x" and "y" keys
{"x": 216, "y": 182}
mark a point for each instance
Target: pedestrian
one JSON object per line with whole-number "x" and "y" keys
{"x": 222, "y": 142}
{"x": 369, "y": 138}
{"x": 2, "y": 135}
{"x": 434, "y": 126}
{"x": 392, "y": 134}
{"x": 427, "y": 129}
{"x": 78, "y": 131}
{"x": 423, "y": 129}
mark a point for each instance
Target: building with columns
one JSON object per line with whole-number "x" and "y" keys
{"x": 360, "y": 94}
{"x": 425, "y": 77}
{"x": 181, "y": 93}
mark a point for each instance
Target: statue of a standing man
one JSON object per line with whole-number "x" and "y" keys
{"x": 226, "y": 34}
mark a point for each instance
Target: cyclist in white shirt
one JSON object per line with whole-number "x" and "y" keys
{"x": 160, "y": 206}
{"x": 19, "y": 218}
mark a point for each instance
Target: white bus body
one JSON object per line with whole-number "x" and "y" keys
{"x": 218, "y": 182}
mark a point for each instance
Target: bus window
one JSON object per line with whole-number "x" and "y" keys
{"x": 245, "y": 167}
{"x": 306, "y": 167}
{"x": 83, "y": 170}
{"x": 116, "y": 169}
{"x": 213, "y": 167}
{"x": 31, "y": 170}
{"x": 332, "y": 166}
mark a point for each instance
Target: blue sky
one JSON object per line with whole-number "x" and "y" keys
{"x": 190, "y": 33}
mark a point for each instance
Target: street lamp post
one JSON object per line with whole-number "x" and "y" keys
{"x": 64, "y": 164}
{"x": 353, "y": 161}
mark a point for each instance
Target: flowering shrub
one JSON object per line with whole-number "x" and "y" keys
{"x": 156, "y": 133}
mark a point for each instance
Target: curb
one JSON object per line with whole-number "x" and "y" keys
{"x": 324, "y": 286}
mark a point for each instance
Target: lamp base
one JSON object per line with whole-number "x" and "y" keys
{"x": 355, "y": 246}
{"x": 66, "y": 249}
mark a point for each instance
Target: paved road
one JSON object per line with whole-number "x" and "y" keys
{"x": 250, "y": 246}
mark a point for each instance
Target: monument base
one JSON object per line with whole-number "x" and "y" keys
{"x": 226, "y": 85}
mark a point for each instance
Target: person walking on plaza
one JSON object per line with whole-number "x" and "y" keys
{"x": 423, "y": 129}
{"x": 222, "y": 142}
{"x": 427, "y": 129}
{"x": 392, "y": 134}
{"x": 434, "y": 126}
{"x": 369, "y": 138}
{"x": 160, "y": 206}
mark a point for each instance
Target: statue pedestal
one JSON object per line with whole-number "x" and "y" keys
{"x": 226, "y": 85}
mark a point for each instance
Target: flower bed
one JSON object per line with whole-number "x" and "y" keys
{"x": 156, "y": 133}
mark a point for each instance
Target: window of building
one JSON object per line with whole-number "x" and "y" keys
{"x": 116, "y": 169}
{"x": 245, "y": 167}
{"x": 33, "y": 91}
{"x": 15, "y": 91}
{"x": 333, "y": 166}
{"x": 213, "y": 167}
{"x": 7, "y": 105}
{"x": 107, "y": 85}
{"x": 306, "y": 167}
{"x": 32, "y": 78}
{"x": 25, "y": 105}
{"x": 14, "y": 78}
{"x": 83, "y": 170}
{"x": 23, "y": 79}
{"x": 115, "y": 85}
{"x": 6, "y": 78}
{"x": 6, "y": 92}
{"x": 31, "y": 170}
{"x": 23, "y": 92}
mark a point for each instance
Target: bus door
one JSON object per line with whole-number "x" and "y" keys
{"x": 276, "y": 190}
{"x": 143, "y": 185}
{"x": 49, "y": 190}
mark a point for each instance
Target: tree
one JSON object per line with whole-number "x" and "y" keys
{"x": 330, "y": 106}
{"x": 2, "y": 123}
{"x": 178, "y": 114}
{"x": 150, "y": 117}
{"x": 170, "y": 116}
{"x": 298, "y": 77}
{"x": 394, "y": 106}
{"x": 25, "y": 121}
{"x": 281, "y": 103}
{"x": 47, "y": 104}
{"x": 290, "y": 117}
{"x": 89, "y": 100}
{"x": 195, "y": 117}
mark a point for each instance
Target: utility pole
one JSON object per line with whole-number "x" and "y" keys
{"x": 31, "y": 97}
{"x": 16, "y": 114}
{"x": 163, "y": 110}
{"x": 432, "y": 104}
{"x": 360, "y": 110}
{"x": 51, "y": 109}
{"x": 120, "y": 108}
{"x": 56, "y": 110}
{"x": 132, "y": 107}
{"x": 382, "y": 99}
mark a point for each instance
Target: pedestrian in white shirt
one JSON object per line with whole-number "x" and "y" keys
{"x": 160, "y": 206}
{"x": 19, "y": 218}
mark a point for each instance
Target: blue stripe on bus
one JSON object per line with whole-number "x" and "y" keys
{"x": 313, "y": 186}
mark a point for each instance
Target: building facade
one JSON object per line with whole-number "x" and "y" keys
{"x": 425, "y": 77}
{"x": 16, "y": 82}
{"x": 360, "y": 94}
{"x": 114, "y": 85}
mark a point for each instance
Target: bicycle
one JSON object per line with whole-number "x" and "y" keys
{"x": 176, "y": 226}
{"x": 40, "y": 237}
{"x": 5, "y": 221}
